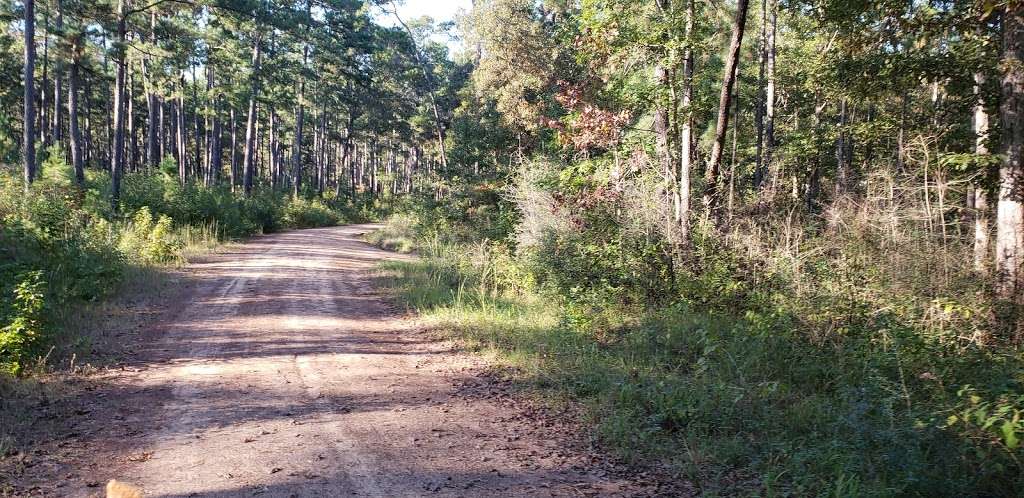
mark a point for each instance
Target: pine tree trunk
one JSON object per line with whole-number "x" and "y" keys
{"x": 182, "y": 145}
{"x": 762, "y": 56}
{"x": 299, "y": 115}
{"x": 76, "y": 136}
{"x": 28, "y": 137}
{"x": 249, "y": 162}
{"x": 275, "y": 150}
{"x": 117, "y": 166}
{"x": 197, "y": 136}
{"x": 234, "y": 149}
{"x": 58, "y": 84}
{"x": 152, "y": 104}
{"x": 43, "y": 126}
{"x": 133, "y": 142}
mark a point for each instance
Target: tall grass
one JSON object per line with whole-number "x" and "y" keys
{"x": 727, "y": 381}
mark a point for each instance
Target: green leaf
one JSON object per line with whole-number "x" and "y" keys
{"x": 1010, "y": 435}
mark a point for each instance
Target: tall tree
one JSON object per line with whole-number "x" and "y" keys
{"x": 686, "y": 137}
{"x": 75, "y": 134}
{"x": 28, "y": 137}
{"x": 982, "y": 217}
{"x": 249, "y": 161}
{"x": 712, "y": 192}
{"x": 117, "y": 165}
{"x": 1010, "y": 210}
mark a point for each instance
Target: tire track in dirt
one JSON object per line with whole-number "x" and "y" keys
{"x": 283, "y": 372}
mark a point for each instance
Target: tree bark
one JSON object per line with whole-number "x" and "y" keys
{"x": 982, "y": 217}
{"x": 1010, "y": 211}
{"x": 769, "y": 95}
{"x": 57, "y": 123}
{"x": 28, "y": 137}
{"x": 152, "y": 103}
{"x": 712, "y": 194}
{"x": 234, "y": 149}
{"x": 132, "y": 140}
{"x": 117, "y": 166}
{"x": 299, "y": 117}
{"x": 43, "y": 127}
{"x": 686, "y": 138}
{"x": 76, "y": 136}
{"x": 275, "y": 151}
{"x": 249, "y": 162}
{"x": 180, "y": 132}
{"x": 661, "y": 124}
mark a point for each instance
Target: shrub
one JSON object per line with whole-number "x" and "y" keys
{"x": 25, "y": 330}
{"x": 303, "y": 213}
{"x": 149, "y": 240}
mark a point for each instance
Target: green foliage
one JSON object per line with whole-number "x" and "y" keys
{"x": 397, "y": 235}
{"x": 303, "y": 213}
{"x": 849, "y": 369}
{"x": 60, "y": 244}
{"x": 26, "y": 327}
{"x": 149, "y": 240}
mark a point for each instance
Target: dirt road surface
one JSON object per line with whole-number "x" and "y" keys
{"x": 279, "y": 371}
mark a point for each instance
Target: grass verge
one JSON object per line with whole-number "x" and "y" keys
{"x": 735, "y": 409}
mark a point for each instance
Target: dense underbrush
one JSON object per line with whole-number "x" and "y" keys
{"x": 62, "y": 246}
{"x": 786, "y": 356}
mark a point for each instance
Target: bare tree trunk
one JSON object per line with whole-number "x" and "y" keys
{"x": 182, "y": 146}
{"x": 735, "y": 144}
{"x": 1010, "y": 212}
{"x": 57, "y": 124}
{"x": 712, "y": 194}
{"x": 133, "y": 143}
{"x": 982, "y": 217}
{"x": 842, "y": 163}
{"x": 216, "y": 144}
{"x": 686, "y": 138}
{"x": 28, "y": 137}
{"x": 234, "y": 150}
{"x": 275, "y": 151}
{"x": 152, "y": 104}
{"x": 76, "y": 137}
{"x": 164, "y": 140}
{"x": 43, "y": 127}
{"x": 249, "y": 163}
{"x": 196, "y": 135}
{"x": 762, "y": 56}
{"x": 769, "y": 95}
{"x": 117, "y": 166}
{"x": 299, "y": 116}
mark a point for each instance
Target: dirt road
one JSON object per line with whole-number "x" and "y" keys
{"x": 281, "y": 371}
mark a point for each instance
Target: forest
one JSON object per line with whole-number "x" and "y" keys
{"x": 773, "y": 248}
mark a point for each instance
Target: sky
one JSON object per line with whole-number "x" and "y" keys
{"x": 440, "y": 10}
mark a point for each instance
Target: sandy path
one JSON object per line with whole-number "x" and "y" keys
{"x": 282, "y": 372}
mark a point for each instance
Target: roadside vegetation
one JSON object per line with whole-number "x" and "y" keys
{"x": 834, "y": 365}
{"x": 64, "y": 247}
